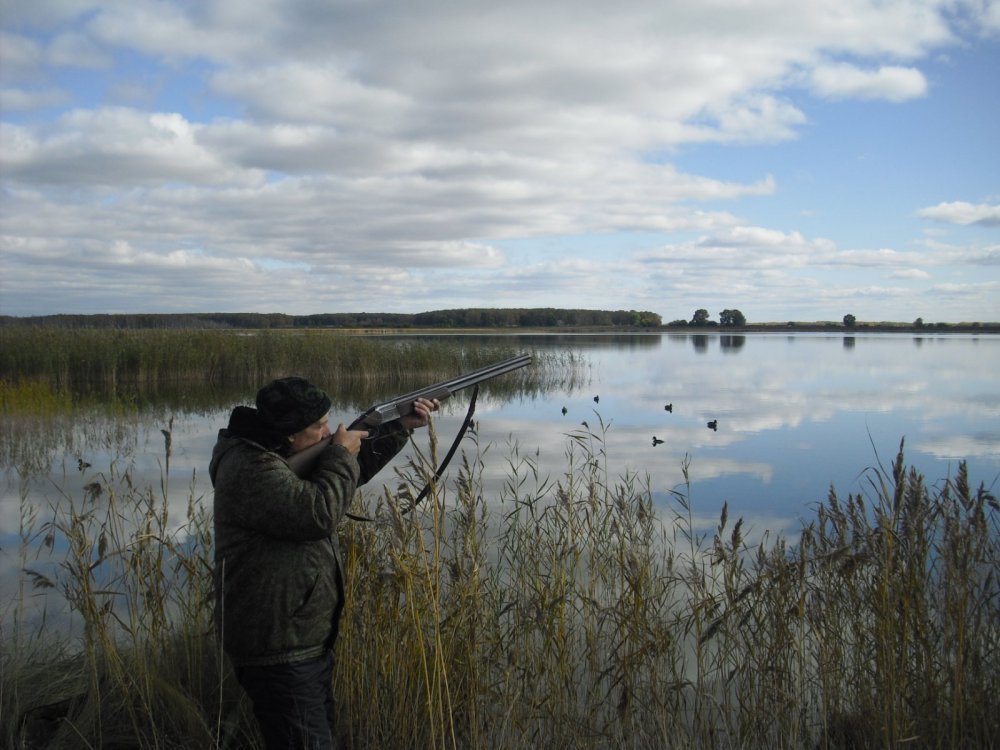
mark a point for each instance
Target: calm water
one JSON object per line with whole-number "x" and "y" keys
{"x": 794, "y": 415}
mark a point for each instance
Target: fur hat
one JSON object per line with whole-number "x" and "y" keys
{"x": 288, "y": 405}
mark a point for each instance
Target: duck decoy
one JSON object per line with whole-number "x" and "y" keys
{"x": 713, "y": 425}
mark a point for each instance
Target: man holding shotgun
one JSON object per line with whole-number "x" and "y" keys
{"x": 278, "y": 581}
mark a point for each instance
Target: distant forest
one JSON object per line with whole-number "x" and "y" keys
{"x": 545, "y": 317}
{"x": 477, "y": 318}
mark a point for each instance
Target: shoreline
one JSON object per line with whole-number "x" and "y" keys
{"x": 834, "y": 328}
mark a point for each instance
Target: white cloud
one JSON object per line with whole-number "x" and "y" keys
{"x": 454, "y": 254}
{"x": 883, "y": 257}
{"x": 970, "y": 290}
{"x": 22, "y": 100}
{"x": 50, "y": 13}
{"x": 321, "y": 93}
{"x": 164, "y": 29}
{"x": 20, "y": 57}
{"x": 116, "y": 147}
{"x": 754, "y": 119}
{"x": 917, "y": 274}
{"x": 762, "y": 257}
{"x": 77, "y": 50}
{"x": 960, "y": 212}
{"x": 893, "y": 83}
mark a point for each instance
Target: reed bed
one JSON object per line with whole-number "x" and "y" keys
{"x": 60, "y": 386}
{"x": 122, "y": 365}
{"x": 579, "y": 611}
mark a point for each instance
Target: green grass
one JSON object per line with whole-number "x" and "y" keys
{"x": 560, "y": 612}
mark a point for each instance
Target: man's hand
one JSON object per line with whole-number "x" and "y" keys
{"x": 421, "y": 413}
{"x": 350, "y": 439}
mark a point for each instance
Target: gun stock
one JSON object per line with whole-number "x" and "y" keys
{"x": 388, "y": 411}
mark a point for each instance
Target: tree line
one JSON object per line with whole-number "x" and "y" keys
{"x": 548, "y": 317}
{"x": 533, "y": 317}
{"x": 727, "y": 319}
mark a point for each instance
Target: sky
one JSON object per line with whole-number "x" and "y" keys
{"x": 796, "y": 161}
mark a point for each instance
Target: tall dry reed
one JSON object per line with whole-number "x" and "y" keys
{"x": 579, "y": 611}
{"x": 138, "y": 666}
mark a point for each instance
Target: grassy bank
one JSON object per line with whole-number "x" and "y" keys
{"x": 567, "y": 613}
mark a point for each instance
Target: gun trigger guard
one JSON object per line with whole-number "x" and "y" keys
{"x": 373, "y": 433}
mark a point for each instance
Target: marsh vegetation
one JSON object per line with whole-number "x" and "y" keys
{"x": 559, "y": 611}
{"x": 198, "y": 367}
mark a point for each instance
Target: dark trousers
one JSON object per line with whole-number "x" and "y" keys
{"x": 293, "y": 703}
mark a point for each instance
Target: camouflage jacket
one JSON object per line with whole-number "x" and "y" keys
{"x": 279, "y": 589}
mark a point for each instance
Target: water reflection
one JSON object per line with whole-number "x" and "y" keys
{"x": 731, "y": 344}
{"x": 572, "y": 341}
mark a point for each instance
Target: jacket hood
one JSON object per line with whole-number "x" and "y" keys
{"x": 245, "y": 425}
{"x": 224, "y": 444}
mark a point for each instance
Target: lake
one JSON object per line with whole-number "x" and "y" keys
{"x": 794, "y": 415}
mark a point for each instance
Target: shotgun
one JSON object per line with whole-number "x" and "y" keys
{"x": 381, "y": 413}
